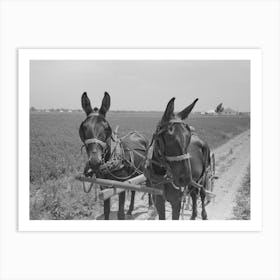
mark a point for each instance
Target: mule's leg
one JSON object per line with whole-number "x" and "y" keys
{"x": 131, "y": 205}
{"x": 176, "y": 207}
{"x": 194, "y": 204}
{"x": 150, "y": 200}
{"x": 121, "y": 215}
{"x": 160, "y": 205}
{"x": 107, "y": 209}
{"x": 202, "y": 196}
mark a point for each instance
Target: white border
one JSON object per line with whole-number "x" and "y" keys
{"x": 24, "y": 57}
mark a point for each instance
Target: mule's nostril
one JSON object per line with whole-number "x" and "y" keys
{"x": 94, "y": 163}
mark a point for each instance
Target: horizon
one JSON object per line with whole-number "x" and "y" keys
{"x": 116, "y": 111}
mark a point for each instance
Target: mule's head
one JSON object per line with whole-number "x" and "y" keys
{"x": 95, "y": 132}
{"x": 173, "y": 139}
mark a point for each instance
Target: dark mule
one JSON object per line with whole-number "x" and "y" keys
{"x": 97, "y": 136}
{"x": 181, "y": 156}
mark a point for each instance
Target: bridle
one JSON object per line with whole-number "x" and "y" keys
{"x": 104, "y": 145}
{"x": 97, "y": 141}
{"x": 163, "y": 128}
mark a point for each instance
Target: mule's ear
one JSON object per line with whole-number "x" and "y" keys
{"x": 185, "y": 113}
{"x": 106, "y": 102}
{"x": 86, "y": 103}
{"x": 169, "y": 111}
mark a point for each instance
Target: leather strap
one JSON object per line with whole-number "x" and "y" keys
{"x": 95, "y": 140}
{"x": 178, "y": 158}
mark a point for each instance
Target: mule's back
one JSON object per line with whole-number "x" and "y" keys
{"x": 135, "y": 141}
{"x": 200, "y": 155}
{"x": 135, "y": 146}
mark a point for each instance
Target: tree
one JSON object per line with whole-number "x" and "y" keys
{"x": 33, "y": 109}
{"x": 219, "y": 108}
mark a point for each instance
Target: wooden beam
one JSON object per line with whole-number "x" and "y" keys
{"x": 137, "y": 180}
{"x": 131, "y": 184}
{"x": 108, "y": 193}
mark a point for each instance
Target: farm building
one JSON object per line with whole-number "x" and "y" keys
{"x": 211, "y": 112}
{"x": 229, "y": 111}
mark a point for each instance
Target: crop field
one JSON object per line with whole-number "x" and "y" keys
{"x": 55, "y": 155}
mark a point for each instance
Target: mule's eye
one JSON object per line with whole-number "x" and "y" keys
{"x": 171, "y": 129}
{"x": 107, "y": 129}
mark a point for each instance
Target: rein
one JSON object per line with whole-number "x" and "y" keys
{"x": 122, "y": 157}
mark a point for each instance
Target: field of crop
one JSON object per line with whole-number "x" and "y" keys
{"x": 55, "y": 155}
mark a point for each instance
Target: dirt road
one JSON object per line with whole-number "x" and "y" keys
{"x": 232, "y": 161}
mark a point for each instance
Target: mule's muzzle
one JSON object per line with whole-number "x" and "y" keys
{"x": 94, "y": 163}
{"x": 94, "y": 160}
{"x": 88, "y": 172}
{"x": 91, "y": 169}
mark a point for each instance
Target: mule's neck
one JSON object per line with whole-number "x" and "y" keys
{"x": 157, "y": 168}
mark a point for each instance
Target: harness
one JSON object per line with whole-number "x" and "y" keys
{"x": 97, "y": 141}
{"x": 117, "y": 158}
{"x": 178, "y": 158}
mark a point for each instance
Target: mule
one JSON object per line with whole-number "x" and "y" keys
{"x": 180, "y": 155}
{"x": 96, "y": 134}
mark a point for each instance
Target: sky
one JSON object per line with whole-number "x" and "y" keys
{"x": 141, "y": 85}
